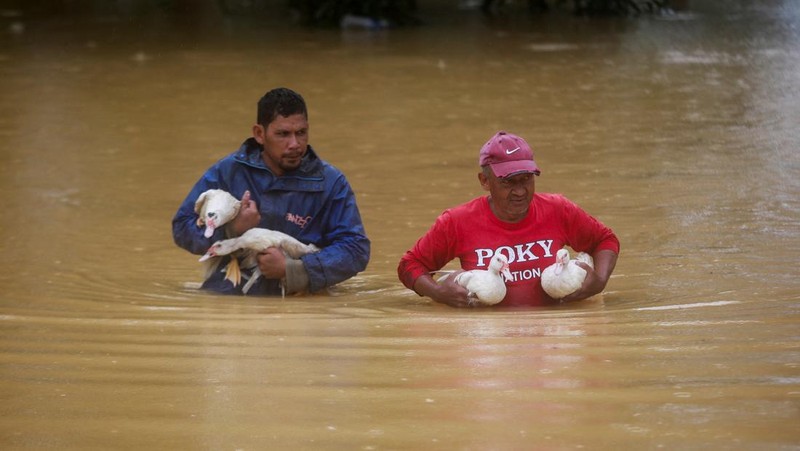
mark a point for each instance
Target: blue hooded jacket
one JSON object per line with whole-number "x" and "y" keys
{"x": 313, "y": 203}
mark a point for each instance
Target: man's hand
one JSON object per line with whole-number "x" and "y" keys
{"x": 272, "y": 263}
{"x": 597, "y": 278}
{"x": 248, "y": 216}
{"x": 446, "y": 292}
{"x": 592, "y": 285}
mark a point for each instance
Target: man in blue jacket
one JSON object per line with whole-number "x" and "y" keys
{"x": 283, "y": 185}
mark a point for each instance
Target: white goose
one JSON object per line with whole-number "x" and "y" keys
{"x": 215, "y": 208}
{"x": 247, "y": 246}
{"x": 486, "y": 286}
{"x": 564, "y": 276}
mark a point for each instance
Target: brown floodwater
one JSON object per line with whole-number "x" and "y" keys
{"x": 679, "y": 131}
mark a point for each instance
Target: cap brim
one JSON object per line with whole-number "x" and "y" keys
{"x": 510, "y": 168}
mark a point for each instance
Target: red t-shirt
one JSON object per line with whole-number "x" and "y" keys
{"x": 472, "y": 233}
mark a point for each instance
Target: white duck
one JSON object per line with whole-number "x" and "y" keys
{"x": 247, "y": 246}
{"x": 215, "y": 208}
{"x": 486, "y": 286}
{"x": 564, "y": 276}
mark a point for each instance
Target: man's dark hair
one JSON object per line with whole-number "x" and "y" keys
{"x": 280, "y": 101}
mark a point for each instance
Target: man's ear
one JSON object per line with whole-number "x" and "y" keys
{"x": 259, "y": 133}
{"x": 484, "y": 181}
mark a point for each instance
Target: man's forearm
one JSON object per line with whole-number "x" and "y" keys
{"x": 604, "y": 262}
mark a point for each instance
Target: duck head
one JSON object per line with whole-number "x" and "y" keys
{"x": 219, "y": 248}
{"x": 210, "y": 253}
{"x": 562, "y": 259}
{"x": 499, "y": 264}
{"x": 215, "y": 208}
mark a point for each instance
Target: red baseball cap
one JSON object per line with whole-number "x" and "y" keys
{"x": 508, "y": 155}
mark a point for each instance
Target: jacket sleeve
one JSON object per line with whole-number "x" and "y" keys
{"x": 345, "y": 246}
{"x": 430, "y": 253}
{"x": 185, "y": 231}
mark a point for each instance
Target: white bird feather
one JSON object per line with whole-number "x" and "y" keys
{"x": 486, "y": 286}
{"x": 247, "y": 246}
{"x": 215, "y": 208}
{"x": 564, "y": 277}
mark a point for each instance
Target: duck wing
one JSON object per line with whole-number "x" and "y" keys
{"x": 485, "y": 287}
{"x": 464, "y": 279}
{"x": 259, "y": 239}
{"x": 565, "y": 283}
{"x": 295, "y": 248}
{"x": 585, "y": 258}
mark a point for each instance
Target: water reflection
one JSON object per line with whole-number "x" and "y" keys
{"x": 492, "y": 360}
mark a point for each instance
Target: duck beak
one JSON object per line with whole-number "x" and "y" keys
{"x": 209, "y": 230}
{"x": 206, "y": 256}
{"x": 507, "y": 273}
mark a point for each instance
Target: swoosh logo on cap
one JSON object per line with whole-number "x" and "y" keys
{"x": 509, "y": 152}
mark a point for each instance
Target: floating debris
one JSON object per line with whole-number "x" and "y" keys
{"x": 551, "y": 47}
{"x": 362, "y": 22}
{"x": 141, "y": 57}
{"x": 16, "y": 28}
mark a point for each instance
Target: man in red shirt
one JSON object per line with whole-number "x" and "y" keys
{"x": 527, "y": 227}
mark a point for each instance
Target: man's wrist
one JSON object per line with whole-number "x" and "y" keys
{"x": 297, "y": 280}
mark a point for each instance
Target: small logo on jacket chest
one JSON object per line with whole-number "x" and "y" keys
{"x": 301, "y": 221}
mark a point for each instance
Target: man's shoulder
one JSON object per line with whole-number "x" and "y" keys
{"x": 551, "y": 205}
{"x": 554, "y": 199}
{"x": 467, "y": 209}
{"x": 314, "y": 166}
{"x": 249, "y": 153}
{"x": 328, "y": 169}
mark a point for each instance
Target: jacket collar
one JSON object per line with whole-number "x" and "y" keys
{"x": 309, "y": 177}
{"x": 310, "y": 168}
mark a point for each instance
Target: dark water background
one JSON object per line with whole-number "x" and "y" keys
{"x": 678, "y": 131}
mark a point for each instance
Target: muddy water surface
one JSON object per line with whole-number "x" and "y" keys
{"x": 680, "y": 132}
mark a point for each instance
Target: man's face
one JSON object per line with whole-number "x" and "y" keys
{"x": 285, "y": 141}
{"x": 510, "y": 196}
